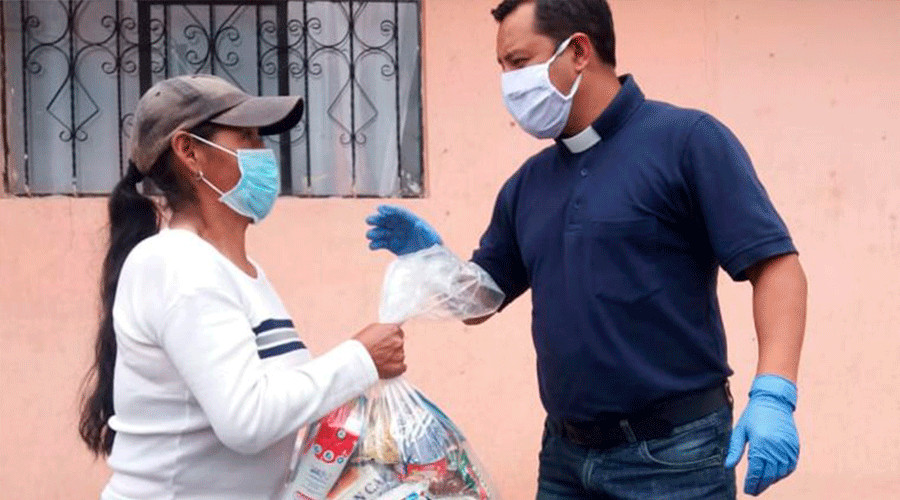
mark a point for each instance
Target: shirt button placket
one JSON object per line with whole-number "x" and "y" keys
{"x": 577, "y": 203}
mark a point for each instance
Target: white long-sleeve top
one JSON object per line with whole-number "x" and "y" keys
{"x": 211, "y": 381}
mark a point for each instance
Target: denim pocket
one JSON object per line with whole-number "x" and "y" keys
{"x": 695, "y": 445}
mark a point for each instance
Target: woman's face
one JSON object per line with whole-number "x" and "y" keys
{"x": 222, "y": 168}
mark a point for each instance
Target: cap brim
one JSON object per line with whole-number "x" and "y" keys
{"x": 271, "y": 115}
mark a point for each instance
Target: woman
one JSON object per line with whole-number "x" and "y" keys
{"x": 200, "y": 382}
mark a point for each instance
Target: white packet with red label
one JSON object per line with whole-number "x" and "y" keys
{"x": 326, "y": 452}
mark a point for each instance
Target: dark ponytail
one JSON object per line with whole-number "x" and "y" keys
{"x": 133, "y": 217}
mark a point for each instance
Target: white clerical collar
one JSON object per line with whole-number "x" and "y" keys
{"x": 582, "y": 141}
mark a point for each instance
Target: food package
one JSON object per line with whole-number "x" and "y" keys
{"x": 393, "y": 443}
{"x": 326, "y": 451}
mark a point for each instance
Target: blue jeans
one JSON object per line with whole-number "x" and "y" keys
{"x": 686, "y": 465}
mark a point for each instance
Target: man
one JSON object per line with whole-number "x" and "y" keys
{"x": 619, "y": 229}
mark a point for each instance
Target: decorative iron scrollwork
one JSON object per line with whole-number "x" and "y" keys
{"x": 134, "y": 42}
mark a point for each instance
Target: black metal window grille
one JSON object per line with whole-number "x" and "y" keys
{"x": 82, "y": 64}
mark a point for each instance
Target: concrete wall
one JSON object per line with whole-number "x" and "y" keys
{"x": 809, "y": 86}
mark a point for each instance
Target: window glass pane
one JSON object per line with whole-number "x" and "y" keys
{"x": 83, "y": 64}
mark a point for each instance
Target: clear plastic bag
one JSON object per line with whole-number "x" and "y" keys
{"x": 395, "y": 444}
{"x": 436, "y": 284}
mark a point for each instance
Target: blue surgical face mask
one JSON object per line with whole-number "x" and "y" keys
{"x": 256, "y": 191}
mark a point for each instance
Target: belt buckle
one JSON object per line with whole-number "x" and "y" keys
{"x": 572, "y": 433}
{"x": 593, "y": 437}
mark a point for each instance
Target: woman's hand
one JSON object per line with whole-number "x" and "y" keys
{"x": 385, "y": 345}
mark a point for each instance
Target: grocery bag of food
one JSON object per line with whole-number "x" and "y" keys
{"x": 394, "y": 443}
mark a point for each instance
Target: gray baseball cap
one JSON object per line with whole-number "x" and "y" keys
{"x": 183, "y": 102}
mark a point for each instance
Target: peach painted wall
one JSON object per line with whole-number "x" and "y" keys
{"x": 809, "y": 86}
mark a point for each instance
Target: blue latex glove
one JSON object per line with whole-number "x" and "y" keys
{"x": 400, "y": 231}
{"x": 768, "y": 425}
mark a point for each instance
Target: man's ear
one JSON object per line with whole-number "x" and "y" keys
{"x": 584, "y": 50}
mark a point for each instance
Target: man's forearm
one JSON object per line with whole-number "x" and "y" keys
{"x": 779, "y": 312}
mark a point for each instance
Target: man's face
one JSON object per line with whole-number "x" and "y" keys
{"x": 518, "y": 46}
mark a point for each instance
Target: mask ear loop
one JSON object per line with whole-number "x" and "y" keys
{"x": 199, "y": 175}
{"x": 210, "y": 143}
{"x": 562, "y": 48}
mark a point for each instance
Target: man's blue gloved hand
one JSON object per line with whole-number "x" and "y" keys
{"x": 768, "y": 425}
{"x": 400, "y": 231}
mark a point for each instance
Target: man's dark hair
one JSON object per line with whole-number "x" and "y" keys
{"x": 559, "y": 19}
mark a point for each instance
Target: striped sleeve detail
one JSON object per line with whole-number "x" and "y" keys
{"x": 271, "y": 324}
{"x": 276, "y": 336}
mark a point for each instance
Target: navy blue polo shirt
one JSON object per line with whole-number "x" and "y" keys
{"x": 620, "y": 245}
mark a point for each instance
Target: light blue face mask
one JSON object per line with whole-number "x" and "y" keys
{"x": 256, "y": 191}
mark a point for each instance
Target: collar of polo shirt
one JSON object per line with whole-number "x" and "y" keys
{"x": 624, "y": 104}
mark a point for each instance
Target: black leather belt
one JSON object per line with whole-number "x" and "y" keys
{"x": 656, "y": 421}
